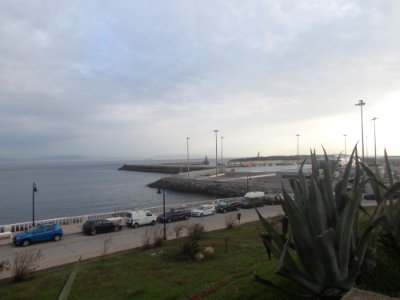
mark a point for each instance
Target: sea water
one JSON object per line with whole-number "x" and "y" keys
{"x": 77, "y": 188}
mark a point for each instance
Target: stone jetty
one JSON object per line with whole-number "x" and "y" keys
{"x": 174, "y": 168}
{"x": 202, "y": 179}
{"x": 225, "y": 185}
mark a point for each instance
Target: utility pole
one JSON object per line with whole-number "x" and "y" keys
{"x": 361, "y": 103}
{"x": 222, "y": 151}
{"x": 216, "y": 152}
{"x": 374, "y": 119}
{"x": 187, "y": 151}
{"x": 298, "y": 155}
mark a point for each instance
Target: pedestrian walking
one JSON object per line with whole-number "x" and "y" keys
{"x": 239, "y": 215}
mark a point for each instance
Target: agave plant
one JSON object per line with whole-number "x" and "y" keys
{"x": 385, "y": 194}
{"x": 323, "y": 249}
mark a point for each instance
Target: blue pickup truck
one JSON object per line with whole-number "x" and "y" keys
{"x": 39, "y": 233}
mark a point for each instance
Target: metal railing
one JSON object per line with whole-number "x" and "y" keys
{"x": 18, "y": 227}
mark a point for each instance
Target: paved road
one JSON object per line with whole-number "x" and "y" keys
{"x": 74, "y": 244}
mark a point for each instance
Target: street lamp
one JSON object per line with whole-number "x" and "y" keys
{"x": 216, "y": 153}
{"x": 374, "y": 119}
{"x": 247, "y": 182}
{"x": 361, "y": 103}
{"x": 345, "y": 145}
{"x": 222, "y": 151}
{"x": 187, "y": 151}
{"x": 298, "y": 157}
{"x": 163, "y": 219}
{"x": 34, "y": 190}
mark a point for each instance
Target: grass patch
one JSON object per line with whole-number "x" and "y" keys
{"x": 161, "y": 273}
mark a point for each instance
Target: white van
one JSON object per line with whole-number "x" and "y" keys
{"x": 134, "y": 218}
{"x": 252, "y": 199}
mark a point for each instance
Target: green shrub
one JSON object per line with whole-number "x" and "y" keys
{"x": 189, "y": 248}
{"x": 195, "y": 231}
{"x": 230, "y": 221}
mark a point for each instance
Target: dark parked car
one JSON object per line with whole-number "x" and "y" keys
{"x": 369, "y": 196}
{"x": 39, "y": 233}
{"x": 174, "y": 214}
{"x": 93, "y": 227}
{"x": 224, "y": 205}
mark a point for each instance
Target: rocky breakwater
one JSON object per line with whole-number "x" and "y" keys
{"x": 225, "y": 185}
{"x": 164, "y": 168}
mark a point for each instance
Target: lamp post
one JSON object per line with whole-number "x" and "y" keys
{"x": 374, "y": 119}
{"x": 361, "y": 103}
{"x": 247, "y": 182}
{"x": 345, "y": 145}
{"x": 298, "y": 157}
{"x": 222, "y": 151}
{"x": 216, "y": 153}
{"x": 366, "y": 148}
{"x": 163, "y": 219}
{"x": 187, "y": 151}
{"x": 34, "y": 190}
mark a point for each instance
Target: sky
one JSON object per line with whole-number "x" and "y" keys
{"x": 134, "y": 79}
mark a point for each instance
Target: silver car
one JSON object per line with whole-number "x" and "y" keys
{"x": 203, "y": 210}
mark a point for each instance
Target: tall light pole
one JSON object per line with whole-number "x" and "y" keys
{"x": 298, "y": 157}
{"x": 247, "y": 182}
{"x": 366, "y": 148}
{"x": 34, "y": 190}
{"x": 187, "y": 151}
{"x": 222, "y": 151}
{"x": 345, "y": 145}
{"x": 361, "y": 103}
{"x": 374, "y": 119}
{"x": 163, "y": 219}
{"x": 216, "y": 152}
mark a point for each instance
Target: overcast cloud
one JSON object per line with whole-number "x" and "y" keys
{"x": 133, "y": 79}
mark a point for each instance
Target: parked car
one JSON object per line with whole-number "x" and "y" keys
{"x": 174, "y": 214}
{"x": 273, "y": 199}
{"x": 39, "y": 233}
{"x": 369, "y": 196}
{"x": 225, "y": 205}
{"x": 93, "y": 227}
{"x": 139, "y": 217}
{"x": 252, "y": 199}
{"x": 203, "y": 210}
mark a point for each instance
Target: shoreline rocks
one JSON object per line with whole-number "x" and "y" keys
{"x": 235, "y": 187}
{"x": 202, "y": 180}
